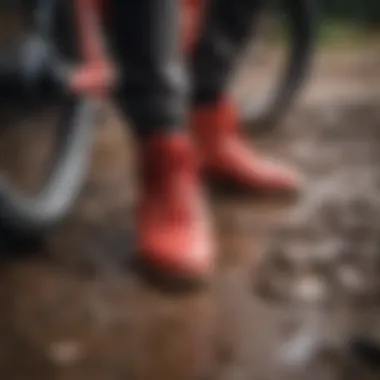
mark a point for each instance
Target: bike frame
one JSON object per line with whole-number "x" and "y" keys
{"x": 192, "y": 16}
{"x": 96, "y": 72}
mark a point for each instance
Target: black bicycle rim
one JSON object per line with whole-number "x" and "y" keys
{"x": 61, "y": 186}
{"x": 301, "y": 17}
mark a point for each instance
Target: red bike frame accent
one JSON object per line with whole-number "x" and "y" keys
{"x": 192, "y": 16}
{"x": 96, "y": 74}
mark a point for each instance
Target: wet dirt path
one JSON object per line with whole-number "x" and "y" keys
{"x": 293, "y": 280}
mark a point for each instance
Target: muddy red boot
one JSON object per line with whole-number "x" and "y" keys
{"x": 173, "y": 231}
{"x": 230, "y": 161}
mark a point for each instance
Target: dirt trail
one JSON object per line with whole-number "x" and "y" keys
{"x": 293, "y": 280}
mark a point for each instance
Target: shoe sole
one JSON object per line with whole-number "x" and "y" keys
{"x": 166, "y": 281}
{"x": 228, "y": 189}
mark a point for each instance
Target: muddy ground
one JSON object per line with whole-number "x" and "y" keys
{"x": 293, "y": 281}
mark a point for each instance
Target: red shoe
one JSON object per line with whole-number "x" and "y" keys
{"x": 173, "y": 231}
{"x": 228, "y": 158}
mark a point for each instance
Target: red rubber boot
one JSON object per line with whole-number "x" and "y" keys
{"x": 228, "y": 158}
{"x": 173, "y": 230}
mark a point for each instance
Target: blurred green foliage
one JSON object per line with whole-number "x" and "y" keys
{"x": 365, "y": 12}
{"x": 341, "y": 22}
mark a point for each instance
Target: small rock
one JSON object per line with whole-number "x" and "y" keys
{"x": 65, "y": 353}
{"x": 327, "y": 252}
{"x": 310, "y": 288}
{"x": 300, "y": 349}
{"x": 351, "y": 279}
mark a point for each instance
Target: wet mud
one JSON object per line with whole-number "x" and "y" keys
{"x": 294, "y": 280}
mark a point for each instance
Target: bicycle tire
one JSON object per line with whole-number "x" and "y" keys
{"x": 302, "y": 18}
{"x": 35, "y": 214}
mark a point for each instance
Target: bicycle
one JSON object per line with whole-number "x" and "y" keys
{"x": 65, "y": 48}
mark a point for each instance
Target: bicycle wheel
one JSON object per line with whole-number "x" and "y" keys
{"x": 299, "y": 20}
{"x": 30, "y": 78}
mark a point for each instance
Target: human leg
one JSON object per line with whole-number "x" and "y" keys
{"x": 227, "y": 156}
{"x": 173, "y": 235}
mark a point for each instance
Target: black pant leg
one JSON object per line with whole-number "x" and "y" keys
{"x": 153, "y": 90}
{"x": 226, "y": 31}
